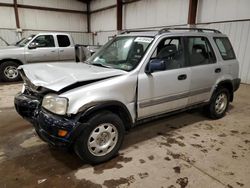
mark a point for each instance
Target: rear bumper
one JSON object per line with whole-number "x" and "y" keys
{"x": 47, "y": 124}
{"x": 236, "y": 84}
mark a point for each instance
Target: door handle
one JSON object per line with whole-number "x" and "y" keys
{"x": 52, "y": 50}
{"x": 61, "y": 50}
{"x": 182, "y": 77}
{"x": 218, "y": 70}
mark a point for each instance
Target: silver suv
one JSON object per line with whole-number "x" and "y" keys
{"x": 137, "y": 76}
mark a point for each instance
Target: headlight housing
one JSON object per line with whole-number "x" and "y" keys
{"x": 55, "y": 104}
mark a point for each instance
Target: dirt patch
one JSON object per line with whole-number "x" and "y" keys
{"x": 142, "y": 161}
{"x": 114, "y": 163}
{"x": 87, "y": 183}
{"x": 197, "y": 145}
{"x": 181, "y": 137}
{"x": 222, "y": 135}
{"x": 197, "y": 135}
{"x": 183, "y": 182}
{"x": 221, "y": 142}
{"x": 170, "y": 141}
{"x": 167, "y": 159}
{"x": 117, "y": 182}
{"x": 143, "y": 175}
{"x": 229, "y": 173}
{"x": 240, "y": 184}
{"x": 177, "y": 169}
{"x": 171, "y": 186}
{"x": 247, "y": 141}
{"x": 151, "y": 157}
{"x": 244, "y": 133}
{"x": 204, "y": 150}
{"x": 234, "y": 131}
{"x": 207, "y": 126}
{"x": 180, "y": 156}
{"x": 234, "y": 155}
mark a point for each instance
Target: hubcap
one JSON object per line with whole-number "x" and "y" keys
{"x": 221, "y": 103}
{"x": 102, "y": 139}
{"x": 11, "y": 72}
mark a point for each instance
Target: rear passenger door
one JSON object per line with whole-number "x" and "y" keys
{"x": 204, "y": 68}
{"x": 66, "y": 48}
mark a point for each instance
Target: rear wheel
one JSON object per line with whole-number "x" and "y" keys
{"x": 219, "y": 103}
{"x": 102, "y": 139}
{"x": 9, "y": 72}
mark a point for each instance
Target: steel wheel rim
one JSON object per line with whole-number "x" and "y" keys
{"x": 102, "y": 139}
{"x": 11, "y": 72}
{"x": 221, "y": 103}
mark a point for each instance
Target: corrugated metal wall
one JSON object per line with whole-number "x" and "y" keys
{"x": 103, "y": 23}
{"x": 155, "y": 13}
{"x": 141, "y": 14}
{"x": 233, "y": 19}
{"x": 34, "y": 21}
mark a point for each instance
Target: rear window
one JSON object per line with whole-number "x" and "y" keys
{"x": 225, "y": 48}
{"x": 63, "y": 40}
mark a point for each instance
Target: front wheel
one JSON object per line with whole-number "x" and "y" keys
{"x": 9, "y": 72}
{"x": 102, "y": 139}
{"x": 219, "y": 103}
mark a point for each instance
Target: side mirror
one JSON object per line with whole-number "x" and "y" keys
{"x": 32, "y": 45}
{"x": 155, "y": 65}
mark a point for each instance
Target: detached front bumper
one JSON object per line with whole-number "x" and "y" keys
{"x": 47, "y": 125}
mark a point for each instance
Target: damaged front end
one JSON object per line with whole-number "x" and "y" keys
{"x": 55, "y": 129}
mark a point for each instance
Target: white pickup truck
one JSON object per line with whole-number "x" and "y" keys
{"x": 43, "y": 47}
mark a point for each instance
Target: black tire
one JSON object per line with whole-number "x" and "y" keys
{"x": 4, "y": 66}
{"x": 81, "y": 144}
{"x": 211, "y": 108}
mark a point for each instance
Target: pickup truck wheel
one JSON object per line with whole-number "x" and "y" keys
{"x": 9, "y": 72}
{"x": 102, "y": 139}
{"x": 219, "y": 103}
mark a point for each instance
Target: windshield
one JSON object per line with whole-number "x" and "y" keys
{"x": 25, "y": 41}
{"x": 122, "y": 53}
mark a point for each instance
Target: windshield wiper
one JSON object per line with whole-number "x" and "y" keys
{"x": 99, "y": 65}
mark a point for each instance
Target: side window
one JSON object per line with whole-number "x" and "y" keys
{"x": 63, "y": 40}
{"x": 44, "y": 41}
{"x": 225, "y": 48}
{"x": 170, "y": 50}
{"x": 200, "y": 51}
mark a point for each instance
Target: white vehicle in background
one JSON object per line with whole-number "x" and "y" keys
{"x": 43, "y": 47}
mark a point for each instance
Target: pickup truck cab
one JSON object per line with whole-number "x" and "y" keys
{"x": 43, "y": 47}
{"x": 135, "y": 77}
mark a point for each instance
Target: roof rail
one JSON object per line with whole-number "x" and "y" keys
{"x": 136, "y": 30}
{"x": 167, "y": 29}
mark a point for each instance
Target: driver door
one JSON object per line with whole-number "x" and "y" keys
{"x": 165, "y": 90}
{"x": 44, "y": 50}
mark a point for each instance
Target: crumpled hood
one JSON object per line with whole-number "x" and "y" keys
{"x": 56, "y": 76}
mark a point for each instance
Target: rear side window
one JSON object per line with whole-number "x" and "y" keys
{"x": 225, "y": 48}
{"x": 63, "y": 40}
{"x": 200, "y": 51}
